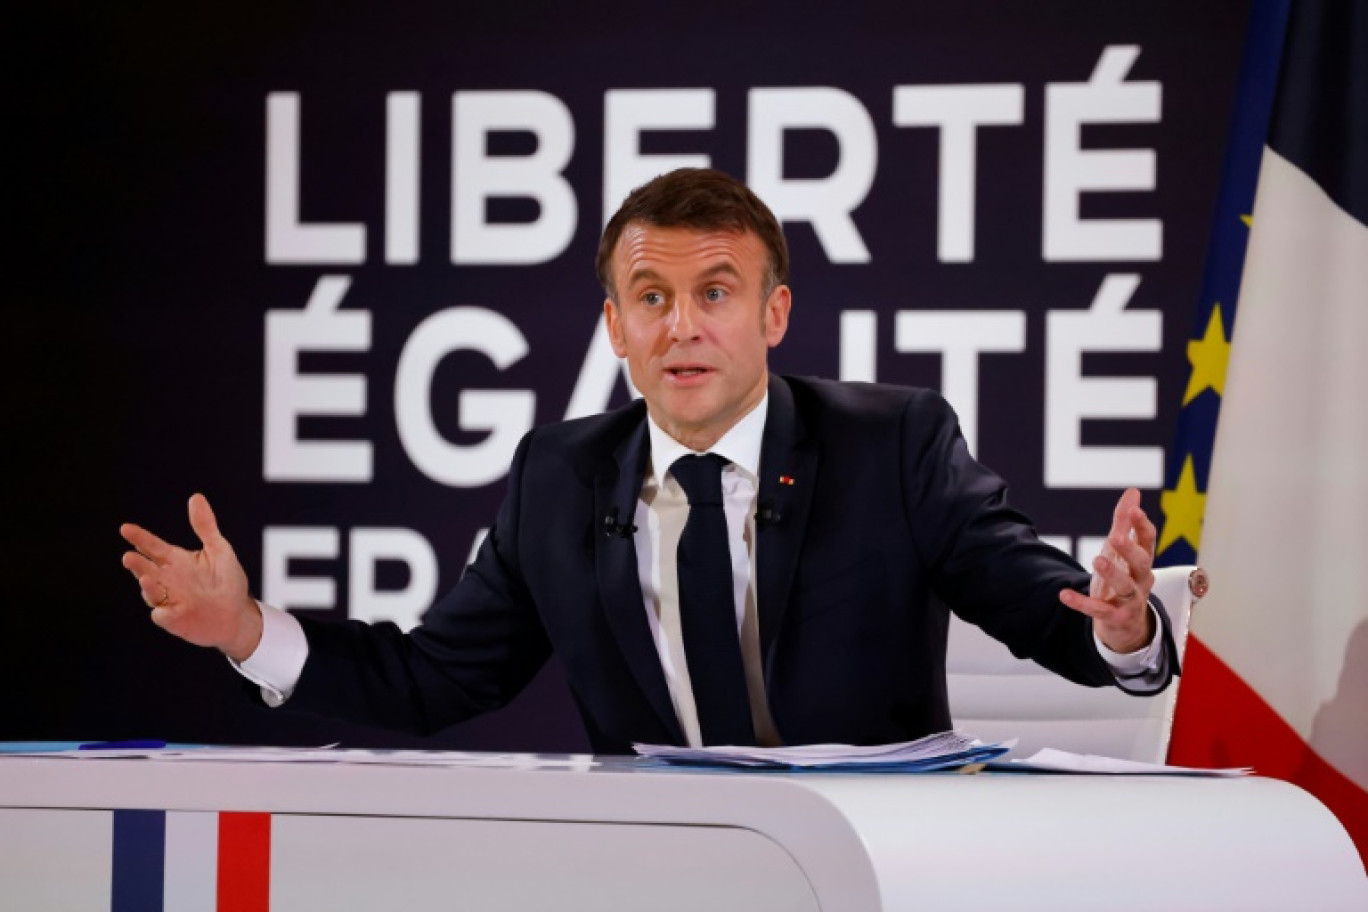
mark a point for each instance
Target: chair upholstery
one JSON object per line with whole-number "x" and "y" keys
{"x": 995, "y": 696}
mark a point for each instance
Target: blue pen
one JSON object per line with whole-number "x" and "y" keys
{"x": 134, "y": 744}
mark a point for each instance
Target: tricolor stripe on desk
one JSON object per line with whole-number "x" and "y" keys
{"x": 191, "y": 861}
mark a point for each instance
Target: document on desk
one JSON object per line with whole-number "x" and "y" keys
{"x": 1050, "y": 760}
{"x": 944, "y": 750}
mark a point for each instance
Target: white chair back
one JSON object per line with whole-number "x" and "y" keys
{"x": 996, "y": 696}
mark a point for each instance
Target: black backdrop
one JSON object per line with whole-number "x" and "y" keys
{"x": 139, "y": 287}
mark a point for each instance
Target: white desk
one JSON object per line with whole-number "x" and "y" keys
{"x": 616, "y": 836}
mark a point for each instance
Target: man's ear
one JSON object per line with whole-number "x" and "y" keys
{"x": 776, "y": 314}
{"x": 613, "y": 320}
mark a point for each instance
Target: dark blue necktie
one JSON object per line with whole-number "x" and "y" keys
{"x": 707, "y": 606}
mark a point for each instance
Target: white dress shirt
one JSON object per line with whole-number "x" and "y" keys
{"x": 661, "y": 512}
{"x": 662, "y": 509}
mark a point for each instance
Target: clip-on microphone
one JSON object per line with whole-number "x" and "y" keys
{"x": 767, "y": 516}
{"x": 614, "y": 529}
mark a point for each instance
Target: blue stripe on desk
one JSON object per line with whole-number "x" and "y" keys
{"x": 139, "y": 861}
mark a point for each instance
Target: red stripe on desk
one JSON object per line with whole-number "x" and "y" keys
{"x": 244, "y": 862}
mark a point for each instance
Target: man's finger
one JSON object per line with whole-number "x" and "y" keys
{"x": 1120, "y": 580}
{"x": 148, "y": 545}
{"x": 204, "y": 523}
{"x": 1121, "y": 516}
{"x": 1137, "y": 557}
{"x": 1092, "y": 607}
{"x": 154, "y": 591}
{"x": 1145, "y": 532}
{"x": 137, "y": 564}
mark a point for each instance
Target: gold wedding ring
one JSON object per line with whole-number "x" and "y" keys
{"x": 165, "y": 596}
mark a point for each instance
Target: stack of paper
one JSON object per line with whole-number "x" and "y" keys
{"x": 946, "y": 750}
{"x": 1050, "y": 760}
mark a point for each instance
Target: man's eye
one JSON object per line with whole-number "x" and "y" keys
{"x": 715, "y": 294}
{"x": 653, "y": 299}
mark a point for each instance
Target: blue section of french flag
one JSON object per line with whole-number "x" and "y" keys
{"x": 139, "y": 861}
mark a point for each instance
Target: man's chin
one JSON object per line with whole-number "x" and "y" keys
{"x": 688, "y": 421}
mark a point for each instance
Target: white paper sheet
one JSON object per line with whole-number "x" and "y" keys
{"x": 1050, "y": 760}
{"x": 939, "y": 751}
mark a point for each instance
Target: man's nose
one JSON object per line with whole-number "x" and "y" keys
{"x": 684, "y": 318}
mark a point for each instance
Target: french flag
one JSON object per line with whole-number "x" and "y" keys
{"x": 191, "y": 861}
{"x": 1276, "y": 675}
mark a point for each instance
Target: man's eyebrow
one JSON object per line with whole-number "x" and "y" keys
{"x": 721, "y": 269}
{"x": 643, "y": 275}
{"x": 647, "y": 274}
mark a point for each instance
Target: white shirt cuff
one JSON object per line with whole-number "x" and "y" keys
{"x": 279, "y": 658}
{"x": 1143, "y": 670}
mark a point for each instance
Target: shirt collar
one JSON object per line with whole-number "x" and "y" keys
{"x": 740, "y": 445}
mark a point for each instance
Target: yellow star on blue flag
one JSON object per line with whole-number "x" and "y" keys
{"x": 1183, "y": 507}
{"x": 1209, "y": 357}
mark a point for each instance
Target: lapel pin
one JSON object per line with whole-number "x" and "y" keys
{"x": 786, "y": 479}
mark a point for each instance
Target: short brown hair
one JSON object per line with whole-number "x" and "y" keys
{"x": 700, "y": 199}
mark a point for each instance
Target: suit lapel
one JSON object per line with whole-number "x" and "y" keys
{"x": 616, "y": 491}
{"x": 788, "y": 475}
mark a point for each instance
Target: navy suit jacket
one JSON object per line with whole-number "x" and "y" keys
{"x": 887, "y": 524}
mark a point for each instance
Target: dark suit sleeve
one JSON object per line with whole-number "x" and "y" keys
{"x": 987, "y": 563}
{"x": 475, "y": 650}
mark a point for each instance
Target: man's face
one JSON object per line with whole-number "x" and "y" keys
{"x": 693, "y": 325}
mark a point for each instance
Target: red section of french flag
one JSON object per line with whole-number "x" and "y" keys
{"x": 244, "y": 862}
{"x": 1220, "y": 721}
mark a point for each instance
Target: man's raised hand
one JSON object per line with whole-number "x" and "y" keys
{"x": 1122, "y": 579}
{"x": 200, "y": 596}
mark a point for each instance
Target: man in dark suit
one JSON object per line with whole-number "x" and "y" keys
{"x": 790, "y": 588}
